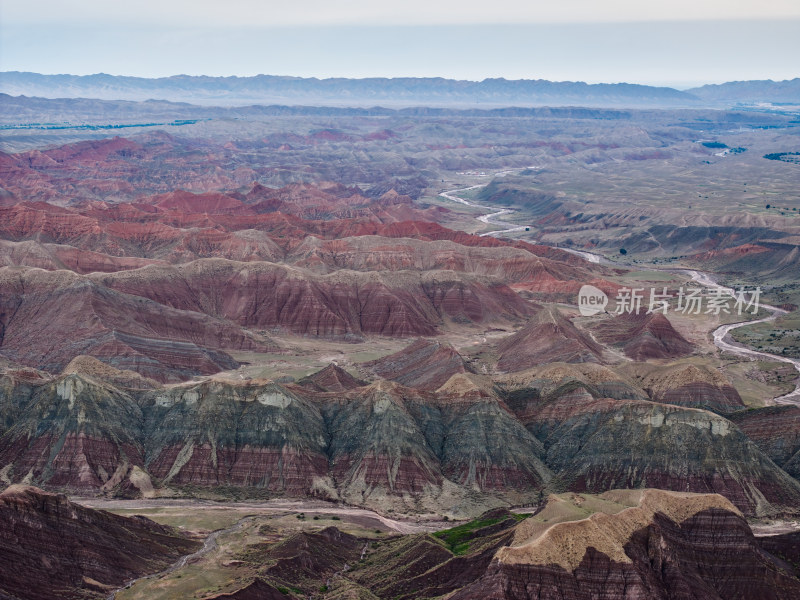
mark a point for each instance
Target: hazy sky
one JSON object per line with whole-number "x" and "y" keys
{"x": 677, "y": 42}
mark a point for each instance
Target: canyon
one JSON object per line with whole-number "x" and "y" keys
{"x": 271, "y": 352}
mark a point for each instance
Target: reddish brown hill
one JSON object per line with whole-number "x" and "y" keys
{"x": 116, "y": 166}
{"x": 685, "y": 384}
{"x": 765, "y": 261}
{"x": 52, "y": 257}
{"x": 210, "y": 202}
{"x": 257, "y": 589}
{"x": 548, "y": 337}
{"x": 378, "y": 253}
{"x": 47, "y": 223}
{"x": 776, "y": 430}
{"x": 332, "y": 378}
{"x": 50, "y": 318}
{"x": 643, "y": 336}
{"x": 174, "y": 322}
{"x": 667, "y": 546}
{"x": 98, "y": 236}
{"x": 425, "y": 364}
{"x": 52, "y": 548}
{"x": 343, "y": 304}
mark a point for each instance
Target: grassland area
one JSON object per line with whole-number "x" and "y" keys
{"x": 781, "y": 336}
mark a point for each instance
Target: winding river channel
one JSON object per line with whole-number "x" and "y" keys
{"x": 722, "y": 338}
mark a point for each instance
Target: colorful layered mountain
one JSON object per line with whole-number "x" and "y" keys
{"x": 776, "y": 430}
{"x": 687, "y": 384}
{"x": 79, "y": 316}
{"x": 643, "y": 336}
{"x": 260, "y": 436}
{"x": 655, "y": 546}
{"x": 425, "y": 364}
{"x": 53, "y": 548}
{"x": 597, "y": 444}
{"x": 547, "y": 337}
{"x": 469, "y": 445}
{"x": 75, "y": 433}
{"x": 332, "y": 378}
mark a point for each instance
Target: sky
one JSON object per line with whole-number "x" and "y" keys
{"x": 680, "y": 43}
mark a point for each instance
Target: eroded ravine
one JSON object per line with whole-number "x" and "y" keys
{"x": 209, "y": 544}
{"x": 721, "y": 335}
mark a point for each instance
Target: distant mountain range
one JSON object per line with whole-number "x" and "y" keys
{"x": 394, "y": 92}
{"x": 751, "y": 92}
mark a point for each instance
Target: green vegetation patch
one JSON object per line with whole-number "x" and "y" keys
{"x": 789, "y": 157}
{"x": 781, "y": 337}
{"x": 457, "y": 539}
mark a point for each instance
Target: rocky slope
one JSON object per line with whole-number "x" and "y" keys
{"x": 643, "y": 336}
{"x": 79, "y": 316}
{"x": 171, "y": 323}
{"x": 259, "y": 436}
{"x": 467, "y": 446}
{"x": 594, "y": 444}
{"x": 619, "y": 545}
{"x": 332, "y": 378}
{"x": 420, "y": 448}
{"x": 74, "y": 433}
{"x": 548, "y": 336}
{"x": 776, "y": 430}
{"x": 343, "y": 305}
{"x": 765, "y": 261}
{"x": 52, "y": 548}
{"x": 666, "y": 545}
{"x": 686, "y": 384}
{"x": 425, "y": 364}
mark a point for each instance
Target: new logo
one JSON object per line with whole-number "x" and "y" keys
{"x": 591, "y": 301}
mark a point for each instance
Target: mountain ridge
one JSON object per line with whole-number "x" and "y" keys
{"x": 392, "y": 91}
{"x": 432, "y": 91}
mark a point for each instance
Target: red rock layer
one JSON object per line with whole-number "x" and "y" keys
{"x": 395, "y": 474}
{"x": 180, "y": 227}
{"x": 425, "y": 364}
{"x": 643, "y": 336}
{"x": 274, "y": 297}
{"x": 258, "y": 589}
{"x": 52, "y": 548}
{"x": 82, "y": 463}
{"x": 274, "y": 469}
{"x": 332, "y": 379}
{"x": 548, "y": 337}
{"x": 723, "y": 399}
{"x": 711, "y": 555}
{"x": 76, "y": 316}
{"x": 776, "y": 430}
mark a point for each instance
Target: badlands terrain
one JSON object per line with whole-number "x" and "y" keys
{"x": 309, "y": 352}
